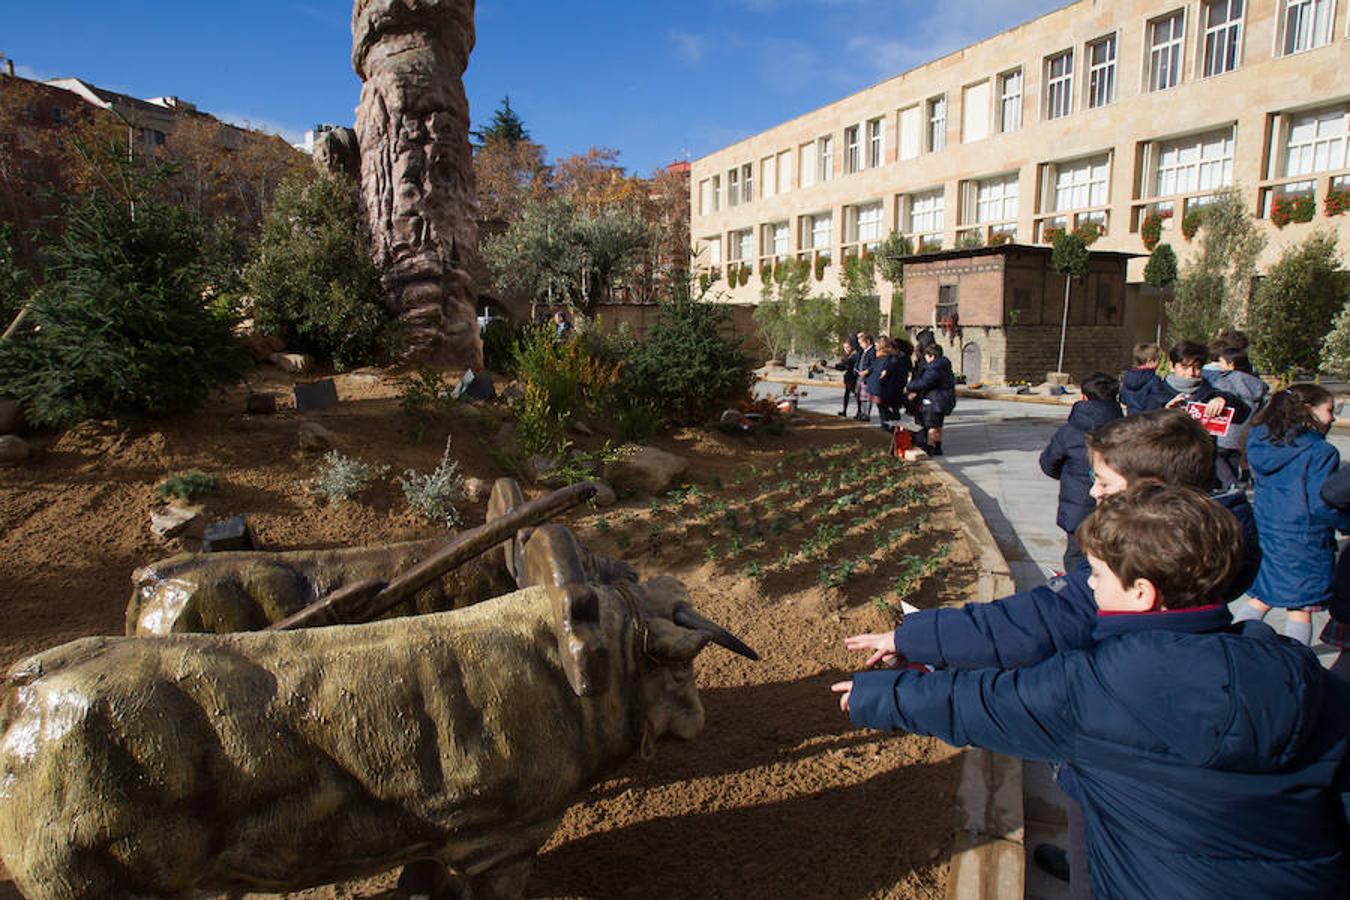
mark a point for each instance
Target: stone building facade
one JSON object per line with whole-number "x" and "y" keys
{"x": 997, "y": 312}
{"x": 1102, "y": 112}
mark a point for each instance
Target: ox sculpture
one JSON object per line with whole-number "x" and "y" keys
{"x": 279, "y": 760}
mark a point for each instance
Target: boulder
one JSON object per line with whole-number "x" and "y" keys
{"x": 171, "y": 520}
{"x": 13, "y": 450}
{"x": 11, "y": 416}
{"x": 647, "y": 470}
{"x": 604, "y": 494}
{"x": 292, "y": 363}
{"x": 314, "y": 438}
{"x": 477, "y": 490}
{"x": 260, "y": 404}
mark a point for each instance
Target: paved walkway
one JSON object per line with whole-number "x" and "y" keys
{"x": 993, "y": 447}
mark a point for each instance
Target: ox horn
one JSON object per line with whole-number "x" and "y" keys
{"x": 686, "y": 616}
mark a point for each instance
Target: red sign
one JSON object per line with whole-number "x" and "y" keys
{"x": 1216, "y": 425}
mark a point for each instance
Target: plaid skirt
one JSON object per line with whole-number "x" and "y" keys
{"x": 864, "y": 395}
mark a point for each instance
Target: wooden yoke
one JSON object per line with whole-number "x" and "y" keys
{"x": 552, "y": 559}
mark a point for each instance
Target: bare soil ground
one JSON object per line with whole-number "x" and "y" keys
{"x": 792, "y": 542}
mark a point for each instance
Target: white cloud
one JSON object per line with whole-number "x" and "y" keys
{"x": 290, "y": 134}
{"x": 689, "y": 48}
{"x": 31, "y": 74}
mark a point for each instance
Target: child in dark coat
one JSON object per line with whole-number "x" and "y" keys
{"x": 1141, "y": 390}
{"x": 1065, "y": 458}
{"x": 1207, "y": 758}
{"x": 1291, "y": 459}
{"x": 934, "y": 389}
{"x": 849, "y": 366}
{"x": 866, "y": 360}
{"x": 894, "y": 377}
{"x": 1237, "y": 378}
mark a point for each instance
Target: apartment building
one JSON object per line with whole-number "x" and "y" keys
{"x": 1104, "y": 111}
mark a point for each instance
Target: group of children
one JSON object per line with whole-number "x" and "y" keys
{"x": 1203, "y": 755}
{"x": 881, "y": 373}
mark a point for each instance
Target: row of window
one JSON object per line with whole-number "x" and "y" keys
{"x": 1071, "y": 192}
{"x": 997, "y": 103}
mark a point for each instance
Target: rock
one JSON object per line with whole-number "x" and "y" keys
{"x": 260, "y": 404}
{"x": 477, "y": 490}
{"x": 543, "y": 470}
{"x": 13, "y": 450}
{"x": 336, "y": 153}
{"x": 314, "y": 438}
{"x": 412, "y": 126}
{"x": 648, "y": 470}
{"x": 293, "y": 363}
{"x": 604, "y": 494}
{"x": 171, "y": 520}
{"x": 315, "y": 394}
{"x": 229, "y": 534}
{"x": 511, "y": 393}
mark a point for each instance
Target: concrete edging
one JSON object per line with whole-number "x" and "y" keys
{"x": 988, "y": 859}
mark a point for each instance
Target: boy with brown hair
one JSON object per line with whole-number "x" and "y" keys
{"x": 1204, "y": 755}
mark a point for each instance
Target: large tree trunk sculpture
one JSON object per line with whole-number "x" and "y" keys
{"x": 417, "y": 168}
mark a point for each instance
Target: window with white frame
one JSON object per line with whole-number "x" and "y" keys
{"x": 996, "y": 199}
{"x": 1316, "y": 142}
{"x": 716, "y": 192}
{"x": 1101, "y": 56}
{"x": 1223, "y": 35}
{"x": 776, "y": 236}
{"x": 806, "y": 163}
{"x": 767, "y": 180}
{"x": 937, "y": 123}
{"x": 784, "y": 171}
{"x": 1010, "y": 101}
{"x": 713, "y": 248}
{"x": 747, "y": 182}
{"x": 1165, "y": 39}
{"x": 740, "y": 244}
{"x": 864, "y": 223}
{"x": 909, "y": 130}
{"x": 1201, "y": 162}
{"x": 1306, "y": 24}
{"x": 733, "y": 187}
{"x": 874, "y": 143}
{"x": 975, "y": 111}
{"x": 1081, "y": 183}
{"x": 852, "y": 149}
{"x": 825, "y": 158}
{"x": 1059, "y": 85}
{"x": 926, "y": 215}
{"x": 817, "y": 231}
{"x": 705, "y": 197}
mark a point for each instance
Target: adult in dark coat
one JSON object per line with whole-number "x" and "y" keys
{"x": 1065, "y": 458}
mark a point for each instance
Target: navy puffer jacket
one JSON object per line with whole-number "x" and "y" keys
{"x": 1141, "y": 390}
{"x": 1297, "y": 527}
{"x": 1210, "y": 762}
{"x": 891, "y": 388}
{"x": 1065, "y": 458}
{"x": 937, "y": 384}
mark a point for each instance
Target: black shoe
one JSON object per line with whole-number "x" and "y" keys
{"x": 843, "y": 413}
{"x": 1051, "y": 860}
{"x": 935, "y": 449}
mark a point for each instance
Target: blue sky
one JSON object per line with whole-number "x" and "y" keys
{"x": 657, "y": 81}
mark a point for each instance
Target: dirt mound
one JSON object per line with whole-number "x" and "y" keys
{"x": 779, "y": 796}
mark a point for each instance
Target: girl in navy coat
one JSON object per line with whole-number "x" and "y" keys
{"x": 1065, "y": 458}
{"x": 866, "y": 361}
{"x": 849, "y": 366}
{"x": 1290, "y": 459}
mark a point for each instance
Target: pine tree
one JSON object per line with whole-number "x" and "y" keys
{"x": 506, "y": 126}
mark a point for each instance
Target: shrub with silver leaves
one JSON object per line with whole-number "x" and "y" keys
{"x": 435, "y": 494}
{"x": 341, "y": 477}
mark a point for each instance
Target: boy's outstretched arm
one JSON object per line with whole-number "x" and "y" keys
{"x": 1018, "y": 630}
{"x": 1026, "y": 713}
